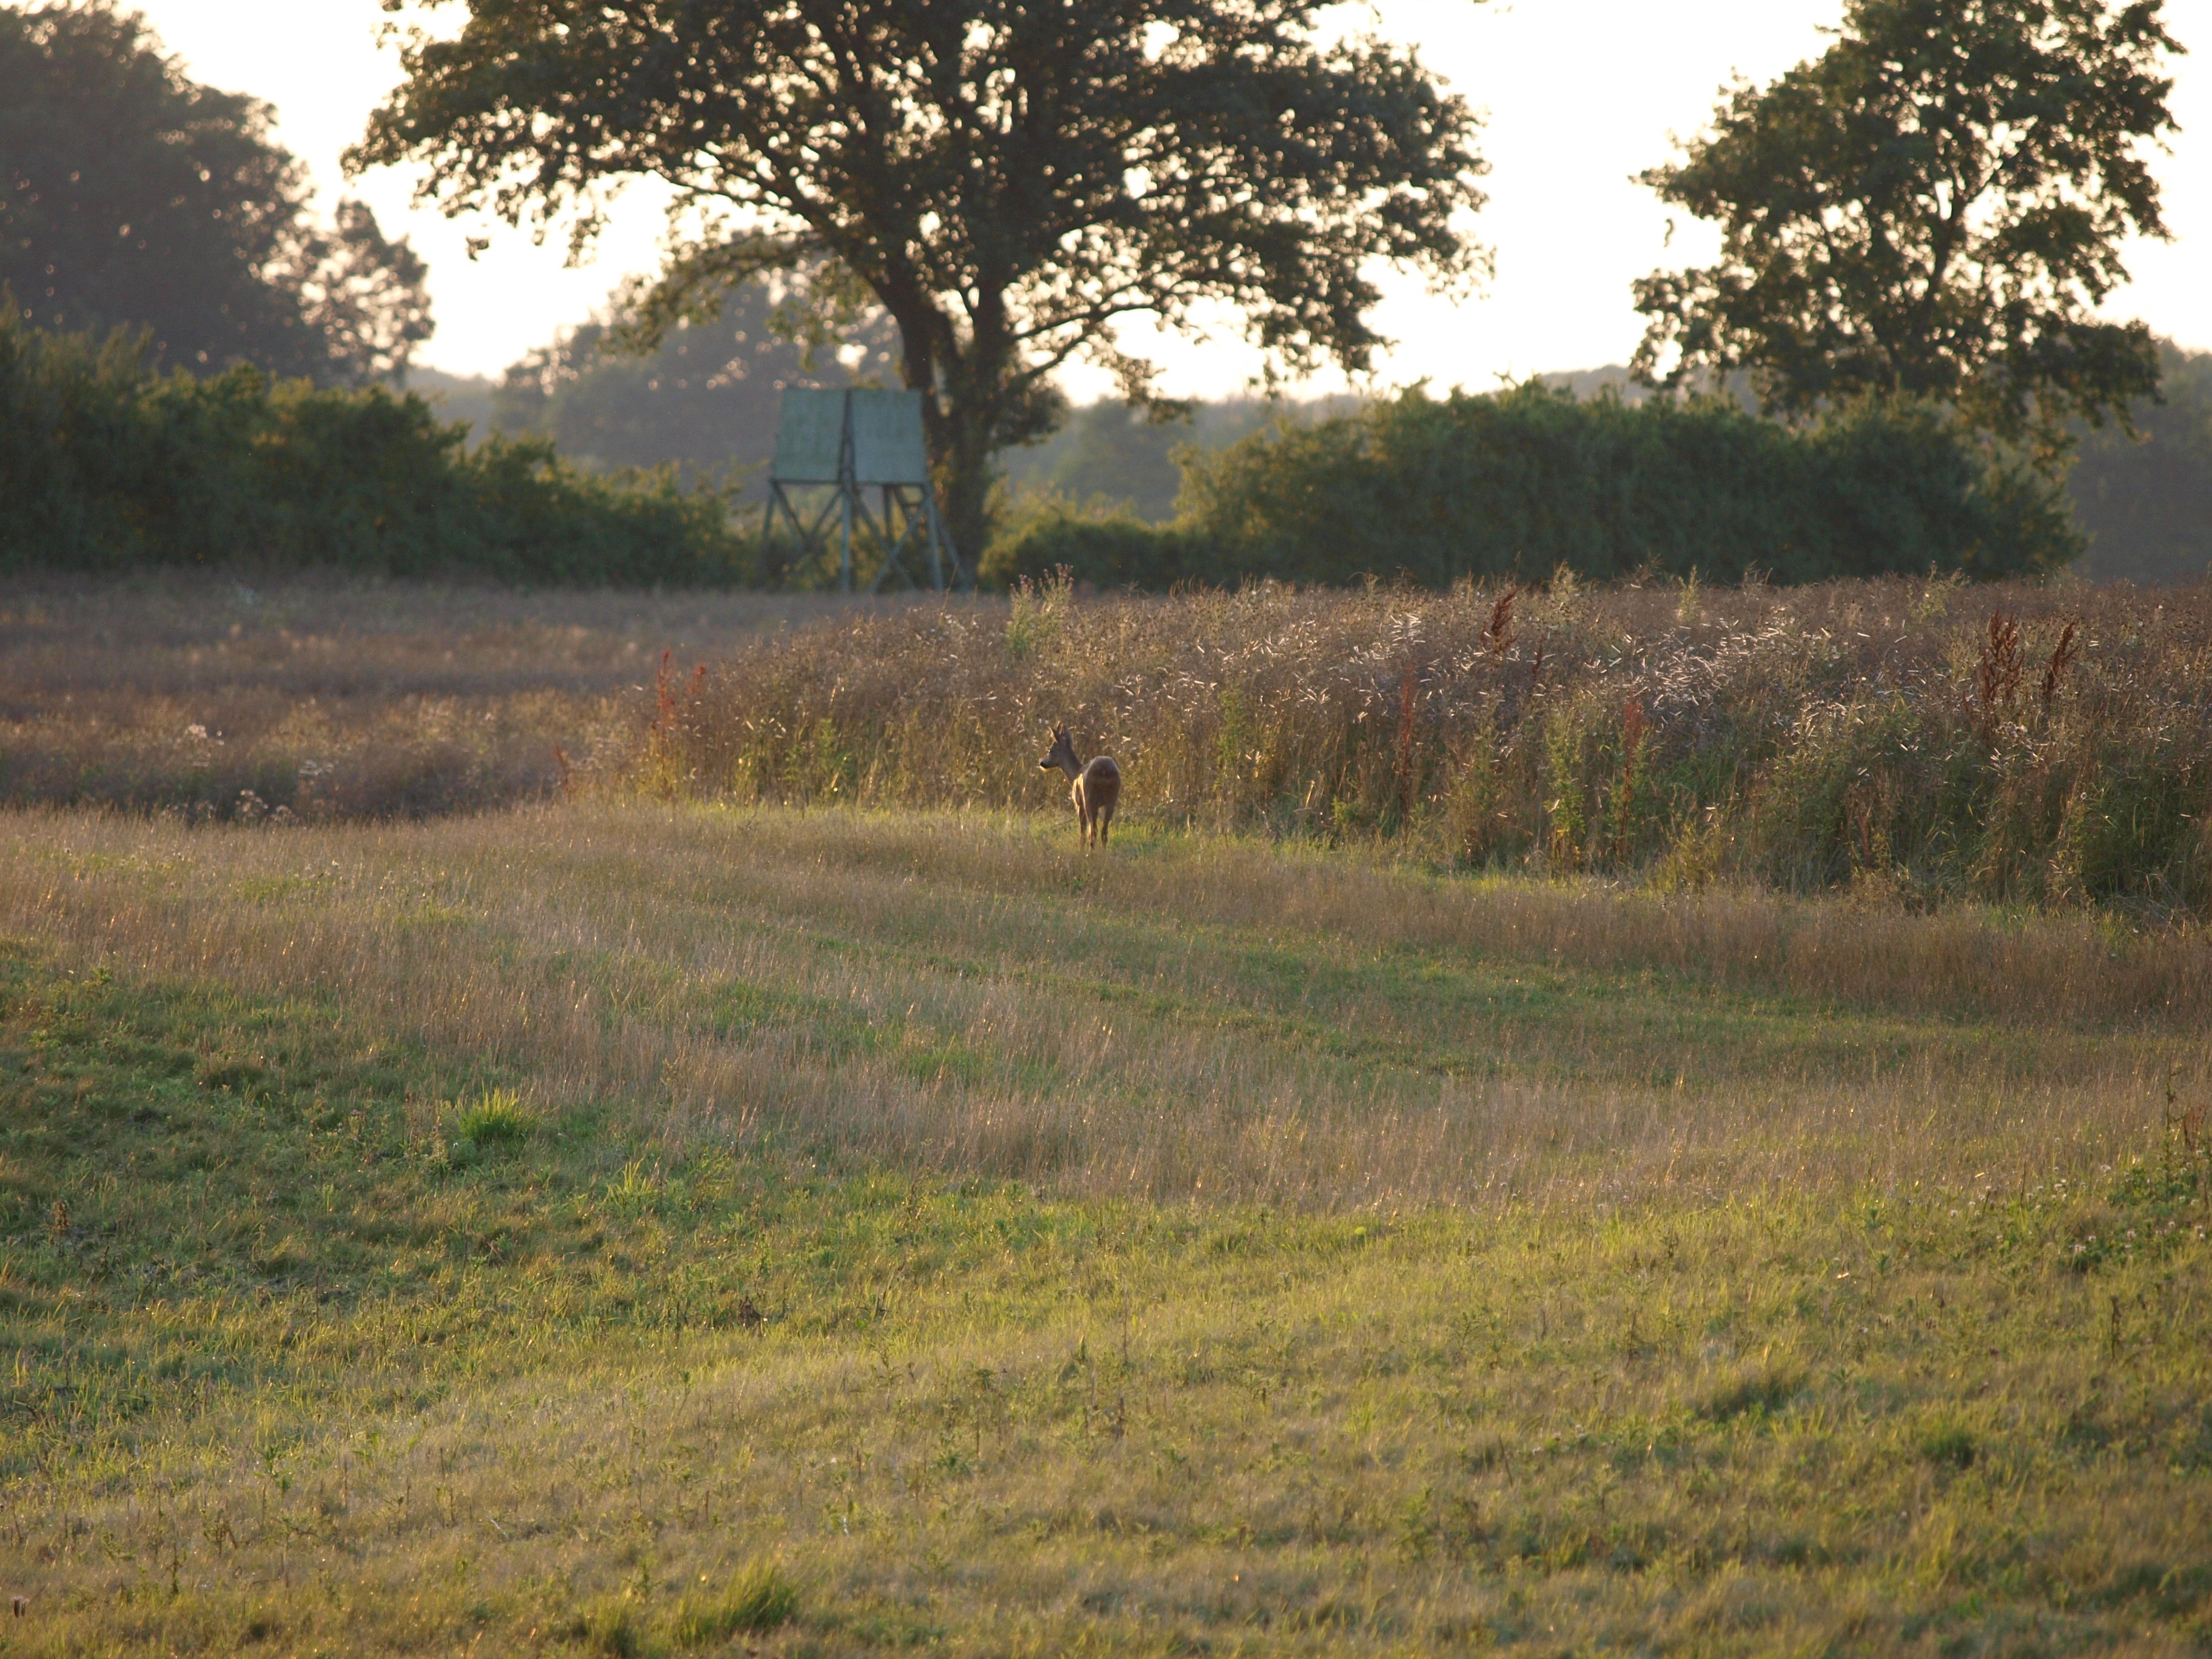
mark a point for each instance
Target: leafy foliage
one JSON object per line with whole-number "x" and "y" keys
{"x": 1518, "y": 483}
{"x": 2145, "y": 497}
{"x": 104, "y": 464}
{"x": 1006, "y": 181}
{"x": 1933, "y": 207}
{"x": 1125, "y": 455}
{"x": 131, "y": 196}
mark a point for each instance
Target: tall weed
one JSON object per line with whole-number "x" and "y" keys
{"x": 2014, "y": 743}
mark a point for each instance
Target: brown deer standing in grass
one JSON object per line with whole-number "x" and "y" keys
{"x": 1095, "y": 787}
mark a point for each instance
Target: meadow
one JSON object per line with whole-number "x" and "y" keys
{"x": 1924, "y": 742}
{"x": 329, "y": 698}
{"x": 655, "y": 1219}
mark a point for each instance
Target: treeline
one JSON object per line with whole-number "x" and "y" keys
{"x": 707, "y": 399}
{"x": 133, "y": 196}
{"x": 106, "y": 463}
{"x": 1520, "y": 482}
{"x": 2142, "y": 500}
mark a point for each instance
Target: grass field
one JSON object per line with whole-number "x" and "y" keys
{"x": 178, "y": 692}
{"x": 627, "y": 1229}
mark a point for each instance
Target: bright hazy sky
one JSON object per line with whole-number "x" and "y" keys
{"x": 1580, "y": 95}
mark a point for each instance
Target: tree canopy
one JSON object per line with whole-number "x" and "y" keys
{"x": 1009, "y": 179}
{"x": 1933, "y": 207}
{"x": 133, "y": 196}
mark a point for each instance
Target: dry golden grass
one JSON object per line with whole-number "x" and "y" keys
{"x": 333, "y": 698}
{"x": 1193, "y": 1016}
{"x": 618, "y": 1227}
{"x": 1917, "y": 741}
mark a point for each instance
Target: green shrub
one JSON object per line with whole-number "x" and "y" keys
{"x": 103, "y": 465}
{"x": 1100, "y": 545}
{"x": 1519, "y": 483}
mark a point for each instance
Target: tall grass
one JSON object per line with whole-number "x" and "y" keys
{"x": 1921, "y": 741}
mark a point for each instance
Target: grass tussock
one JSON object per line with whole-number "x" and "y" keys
{"x": 758, "y": 1598}
{"x": 1915, "y": 741}
{"x": 495, "y": 1122}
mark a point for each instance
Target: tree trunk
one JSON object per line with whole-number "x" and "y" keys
{"x": 961, "y": 428}
{"x": 964, "y": 487}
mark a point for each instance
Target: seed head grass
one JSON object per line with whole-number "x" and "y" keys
{"x": 1914, "y": 742}
{"x": 324, "y": 699}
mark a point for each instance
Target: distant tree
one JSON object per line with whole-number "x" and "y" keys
{"x": 705, "y": 397}
{"x": 1113, "y": 452}
{"x": 1932, "y": 207}
{"x": 133, "y": 196}
{"x": 1008, "y": 181}
{"x": 2145, "y": 497}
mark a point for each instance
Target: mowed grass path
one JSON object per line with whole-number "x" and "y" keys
{"x": 624, "y": 1230}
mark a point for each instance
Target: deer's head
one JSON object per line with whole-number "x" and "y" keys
{"x": 1062, "y": 753}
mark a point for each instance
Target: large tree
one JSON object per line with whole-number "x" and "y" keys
{"x": 133, "y": 196}
{"x": 1008, "y": 178}
{"x": 1933, "y": 207}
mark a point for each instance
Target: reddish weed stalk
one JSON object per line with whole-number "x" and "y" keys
{"x": 1997, "y": 676}
{"x": 2062, "y": 654}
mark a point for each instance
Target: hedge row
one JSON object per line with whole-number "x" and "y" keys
{"x": 1518, "y": 484}
{"x": 104, "y": 464}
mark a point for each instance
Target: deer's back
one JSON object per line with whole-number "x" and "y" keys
{"x": 1101, "y": 782}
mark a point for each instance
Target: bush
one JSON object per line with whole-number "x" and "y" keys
{"x": 1099, "y": 546}
{"x": 1518, "y": 483}
{"x": 105, "y": 466}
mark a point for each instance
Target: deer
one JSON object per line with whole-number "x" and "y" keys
{"x": 1095, "y": 787}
